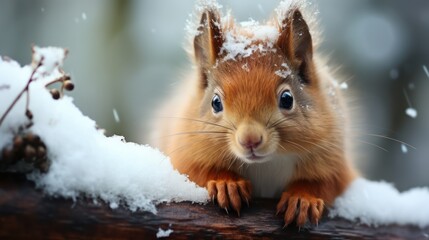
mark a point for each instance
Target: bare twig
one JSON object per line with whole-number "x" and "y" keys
{"x": 27, "y": 103}
{"x": 65, "y": 84}
{"x": 64, "y": 79}
{"x": 21, "y": 93}
{"x": 60, "y": 79}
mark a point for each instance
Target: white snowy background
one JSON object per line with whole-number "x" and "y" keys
{"x": 124, "y": 55}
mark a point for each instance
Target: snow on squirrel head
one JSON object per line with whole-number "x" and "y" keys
{"x": 261, "y": 82}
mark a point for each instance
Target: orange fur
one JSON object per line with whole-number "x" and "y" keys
{"x": 208, "y": 146}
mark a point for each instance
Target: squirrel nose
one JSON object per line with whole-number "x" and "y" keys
{"x": 251, "y": 141}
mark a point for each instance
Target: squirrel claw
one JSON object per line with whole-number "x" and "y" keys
{"x": 226, "y": 210}
{"x": 309, "y": 208}
{"x": 230, "y": 193}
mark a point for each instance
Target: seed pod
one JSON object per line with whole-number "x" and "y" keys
{"x": 36, "y": 141}
{"x": 29, "y": 114}
{"x": 29, "y": 138}
{"x": 41, "y": 152}
{"x": 68, "y": 85}
{"x": 55, "y": 93}
{"x": 7, "y": 155}
{"x": 29, "y": 153}
{"x": 43, "y": 166}
{"x": 17, "y": 141}
{"x": 6, "y": 158}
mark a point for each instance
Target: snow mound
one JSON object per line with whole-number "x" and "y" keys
{"x": 163, "y": 233}
{"x": 380, "y": 203}
{"x": 84, "y": 161}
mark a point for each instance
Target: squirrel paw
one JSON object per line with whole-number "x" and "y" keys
{"x": 300, "y": 207}
{"x": 230, "y": 193}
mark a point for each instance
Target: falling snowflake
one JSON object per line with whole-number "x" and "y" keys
{"x": 404, "y": 148}
{"x": 411, "y": 112}
{"x": 426, "y": 70}
{"x": 344, "y": 85}
{"x": 116, "y": 116}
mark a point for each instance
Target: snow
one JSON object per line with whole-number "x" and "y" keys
{"x": 335, "y": 84}
{"x": 51, "y": 58}
{"x": 426, "y": 70}
{"x": 84, "y": 16}
{"x": 203, "y": 5}
{"x": 163, "y": 233}
{"x": 404, "y": 148}
{"x": 380, "y": 203}
{"x": 245, "y": 67}
{"x": 411, "y": 112}
{"x": 247, "y": 39}
{"x": 240, "y": 41}
{"x": 284, "y": 72}
{"x": 116, "y": 116}
{"x": 193, "y": 22}
{"x": 283, "y": 9}
{"x": 84, "y": 162}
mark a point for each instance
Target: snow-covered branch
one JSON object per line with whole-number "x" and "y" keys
{"x": 47, "y": 129}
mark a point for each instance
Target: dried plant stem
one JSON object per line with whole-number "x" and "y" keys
{"x": 59, "y": 80}
{"x": 27, "y": 103}
{"x": 21, "y": 93}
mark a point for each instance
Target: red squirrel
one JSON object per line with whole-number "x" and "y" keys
{"x": 259, "y": 116}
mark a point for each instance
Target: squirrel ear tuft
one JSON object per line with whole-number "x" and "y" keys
{"x": 208, "y": 43}
{"x": 296, "y": 43}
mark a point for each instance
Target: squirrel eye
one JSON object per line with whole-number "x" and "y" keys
{"x": 286, "y": 100}
{"x": 217, "y": 104}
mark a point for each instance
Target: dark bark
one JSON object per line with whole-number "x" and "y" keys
{"x": 27, "y": 213}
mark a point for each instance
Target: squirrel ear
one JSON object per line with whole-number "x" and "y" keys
{"x": 296, "y": 43}
{"x": 208, "y": 42}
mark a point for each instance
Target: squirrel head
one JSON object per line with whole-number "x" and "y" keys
{"x": 260, "y": 82}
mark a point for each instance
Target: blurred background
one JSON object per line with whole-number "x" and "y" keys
{"x": 126, "y": 55}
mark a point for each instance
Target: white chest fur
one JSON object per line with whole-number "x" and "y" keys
{"x": 270, "y": 178}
